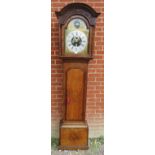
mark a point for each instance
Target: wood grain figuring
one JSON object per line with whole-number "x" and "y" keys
{"x": 73, "y": 126}
{"x": 73, "y": 11}
{"x": 73, "y": 135}
{"x": 75, "y": 86}
{"x": 79, "y": 68}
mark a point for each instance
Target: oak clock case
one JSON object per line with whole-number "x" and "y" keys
{"x": 76, "y": 31}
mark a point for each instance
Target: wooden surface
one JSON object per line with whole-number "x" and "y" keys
{"x": 74, "y": 135}
{"x": 72, "y": 11}
{"x": 75, "y": 86}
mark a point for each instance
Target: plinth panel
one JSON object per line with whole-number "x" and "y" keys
{"x": 73, "y": 135}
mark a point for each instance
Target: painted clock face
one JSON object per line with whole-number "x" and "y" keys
{"x": 76, "y": 41}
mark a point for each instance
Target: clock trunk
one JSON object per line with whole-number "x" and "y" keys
{"x": 75, "y": 86}
{"x": 74, "y": 128}
{"x": 75, "y": 95}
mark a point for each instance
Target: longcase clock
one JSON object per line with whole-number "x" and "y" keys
{"x": 76, "y": 31}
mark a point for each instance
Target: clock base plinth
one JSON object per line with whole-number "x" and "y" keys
{"x": 73, "y": 135}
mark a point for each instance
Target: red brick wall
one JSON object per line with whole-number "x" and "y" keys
{"x": 95, "y": 106}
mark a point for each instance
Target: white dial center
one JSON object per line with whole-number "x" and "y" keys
{"x": 76, "y": 41}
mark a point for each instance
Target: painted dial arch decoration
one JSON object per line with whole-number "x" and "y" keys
{"x": 76, "y": 41}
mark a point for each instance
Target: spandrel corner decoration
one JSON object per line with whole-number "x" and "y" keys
{"x": 76, "y": 39}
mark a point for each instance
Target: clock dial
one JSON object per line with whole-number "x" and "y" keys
{"x": 76, "y": 41}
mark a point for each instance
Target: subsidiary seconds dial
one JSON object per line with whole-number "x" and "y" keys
{"x": 76, "y": 41}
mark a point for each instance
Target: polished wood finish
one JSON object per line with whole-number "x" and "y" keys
{"x": 75, "y": 89}
{"x": 73, "y": 126}
{"x": 74, "y": 135}
{"x": 77, "y": 9}
{"x": 70, "y": 12}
